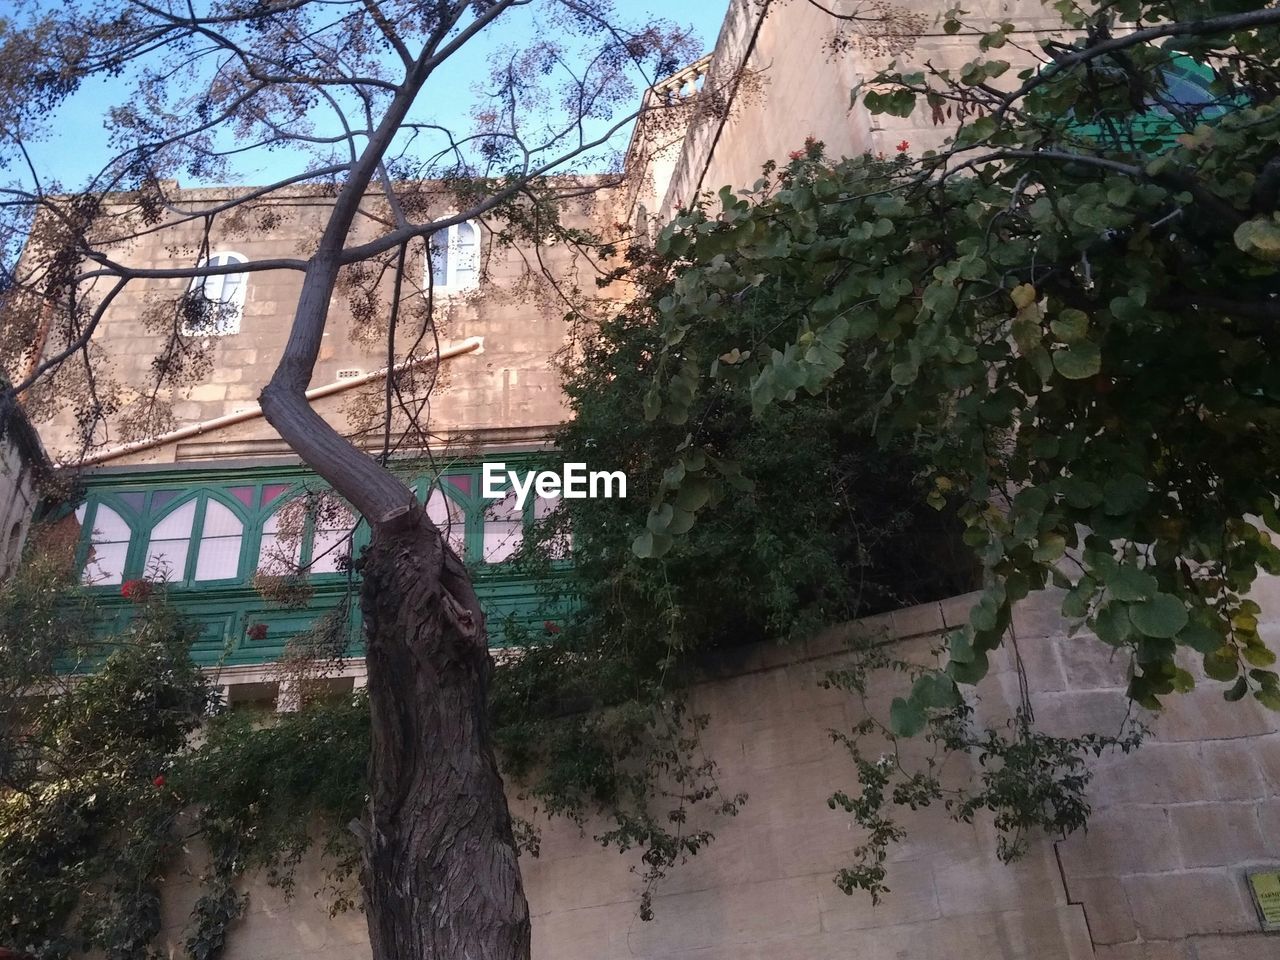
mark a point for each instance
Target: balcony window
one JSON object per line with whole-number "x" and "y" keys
{"x": 108, "y": 546}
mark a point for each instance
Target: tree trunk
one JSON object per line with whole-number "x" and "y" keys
{"x": 440, "y": 872}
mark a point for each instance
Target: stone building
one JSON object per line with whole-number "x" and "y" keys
{"x": 22, "y": 460}
{"x": 1163, "y": 873}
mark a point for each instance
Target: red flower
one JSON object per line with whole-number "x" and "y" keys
{"x": 903, "y": 147}
{"x": 136, "y": 590}
{"x": 257, "y": 631}
{"x": 159, "y": 781}
{"x": 796, "y": 154}
{"x": 550, "y": 626}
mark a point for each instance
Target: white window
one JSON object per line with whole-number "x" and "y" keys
{"x": 559, "y": 545}
{"x": 217, "y": 300}
{"x": 503, "y": 529}
{"x": 448, "y": 518}
{"x": 455, "y": 258}
{"x": 108, "y": 545}
{"x": 219, "y": 557}
{"x": 279, "y": 555}
{"x": 170, "y": 542}
{"x": 328, "y": 531}
{"x": 331, "y": 548}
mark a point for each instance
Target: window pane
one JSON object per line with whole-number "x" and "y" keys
{"x": 170, "y": 540}
{"x": 219, "y": 521}
{"x": 440, "y": 259}
{"x": 466, "y": 256}
{"x": 448, "y": 517}
{"x": 331, "y": 548}
{"x": 176, "y": 525}
{"x": 278, "y": 556}
{"x": 108, "y": 545}
{"x": 226, "y": 291}
{"x": 106, "y": 563}
{"x": 503, "y": 529}
{"x": 543, "y": 507}
{"x": 219, "y": 557}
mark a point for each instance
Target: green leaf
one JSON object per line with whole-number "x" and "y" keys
{"x": 941, "y": 299}
{"x": 1052, "y": 547}
{"x": 694, "y": 494}
{"x": 1124, "y": 494}
{"x": 1221, "y": 664}
{"x": 1260, "y": 238}
{"x": 1130, "y": 583}
{"x": 935, "y": 691}
{"x": 1161, "y": 616}
{"x": 642, "y": 546}
{"x": 1078, "y": 361}
{"x": 660, "y": 518}
{"x": 903, "y": 374}
{"x": 1070, "y": 326}
{"x": 1201, "y": 638}
{"x": 960, "y": 645}
{"x": 1112, "y": 624}
{"x": 1268, "y": 697}
{"x": 906, "y": 718}
{"x": 1237, "y": 691}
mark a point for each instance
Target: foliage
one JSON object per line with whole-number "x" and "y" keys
{"x": 590, "y": 713}
{"x": 1026, "y": 779}
{"x": 106, "y": 785}
{"x": 87, "y": 817}
{"x": 1072, "y": 305}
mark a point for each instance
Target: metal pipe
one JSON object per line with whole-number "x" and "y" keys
{"x": 470, "y": 345}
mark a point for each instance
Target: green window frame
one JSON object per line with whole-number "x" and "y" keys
{"x": 227, "y": 606}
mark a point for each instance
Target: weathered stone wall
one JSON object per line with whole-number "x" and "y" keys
{"x": 1160, "y": 875}
{"x": 510, "y": 386}
{"x": 797, "y": 83}
{"x": 20, "y": 458}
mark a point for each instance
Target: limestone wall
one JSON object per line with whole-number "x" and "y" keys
{"x": 800, "y": 66}
{"x": 20, "y": 458}
{"x": 1160, "y": 875}
{"x": 511, "y": 385}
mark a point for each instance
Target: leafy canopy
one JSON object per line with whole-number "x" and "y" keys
{"x": 1072, "y": 307}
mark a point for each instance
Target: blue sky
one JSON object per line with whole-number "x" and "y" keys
{"x": 77, "y": 146}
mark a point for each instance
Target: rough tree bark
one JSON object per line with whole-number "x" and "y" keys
{"x": 440, "y": 874}
{"x": 441, "y": 877}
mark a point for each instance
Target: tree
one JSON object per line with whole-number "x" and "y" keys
{"x": 342, "y": 85}
{"x": 1073, "y": 305}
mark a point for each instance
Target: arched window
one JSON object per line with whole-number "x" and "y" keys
{"x": 317, "y": 538}
{"x": 449, "y": 518}
{"x": 108, "y": 545}
{"x": 217, "y": 300}
{"x": 220, "y": 541}
{"x": 455, "y": 258}
{"x": 170, "y": 543}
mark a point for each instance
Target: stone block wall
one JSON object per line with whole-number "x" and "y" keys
{"x": 513, "y": 385}
{"x": 1159, "y": 875}
{"x": 21, "y": 457}
{"x": 799, "y": 84}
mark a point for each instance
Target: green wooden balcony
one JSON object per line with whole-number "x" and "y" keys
{"x": 222, "y": 539}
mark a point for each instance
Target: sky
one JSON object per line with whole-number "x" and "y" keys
{"x": 77, "y": 145}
